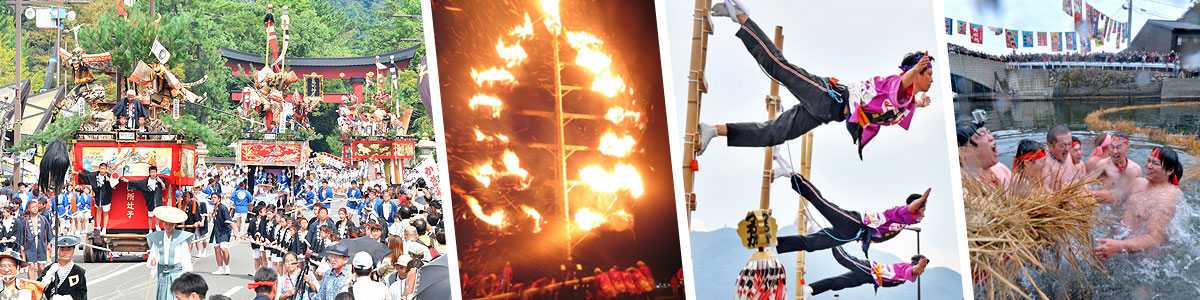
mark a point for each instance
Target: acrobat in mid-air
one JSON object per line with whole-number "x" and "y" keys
{"x": 865, "y": 106}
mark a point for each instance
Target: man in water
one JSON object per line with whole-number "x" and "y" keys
{"x": 1077, "y": 154}
{"x": 977, "y": 153}
{"x": 1101, "y": 142}
{"x": 1061, "y": 170}
{"x": 1117, "y": 172}
{"x": 1148, "y": 217}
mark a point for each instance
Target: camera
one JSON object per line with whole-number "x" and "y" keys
{"x": 979, "y": 116}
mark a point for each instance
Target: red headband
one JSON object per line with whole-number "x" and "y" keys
{"x": 256, "y": 284}
{"x": 1120, "y": 138}
{"x": 1074, "y": 144}
{"x": 1037, "y": 154}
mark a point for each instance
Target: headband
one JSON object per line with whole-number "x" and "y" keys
{"x": 1037, "y": 154}
{"x": 905, "y": 68}
{"x": 1120, "y": 138}
{"x": 1100, "y": 148}
{"x": 256, "y": 284}
{"x": 1174, "y": 177}
{"x": 1074, "y": 144}
{"x": 916, "y": 261}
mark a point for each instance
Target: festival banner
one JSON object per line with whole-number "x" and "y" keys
{"x": 949, "y": 29}
{"x": 1041, "y": 38}
{"x": 399, "y": 149}
{"x": 1010, "y": 39}
{"x": 996, "y": 30}
{"x": 1085, "y": 45}
{"x": 1027, "y": 39}
{"x": 270, "y": 153}
{"x": 1070, "y": 41}
{"x": 429, "y": 171}
{"x": 1055, "y": 41}
{"x": 347, "y": 153}
{"x": 976, "y": 33}
{"x": 1067, "y": 7}
{"x": 962, "y": 27}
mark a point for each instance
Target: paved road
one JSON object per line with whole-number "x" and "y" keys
{"x": 130, "y": 280}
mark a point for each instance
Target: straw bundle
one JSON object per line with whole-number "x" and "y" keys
{"x": 1012, "y": 230}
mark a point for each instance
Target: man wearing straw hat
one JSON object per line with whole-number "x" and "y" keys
{"x": 16, "y": 288}
{"x": 65, "y": 279}
{"x": 169, "y": 255}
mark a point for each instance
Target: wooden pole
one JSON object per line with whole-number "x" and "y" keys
{"x": 772, "y": 106}
{"x": 697, "y": 86}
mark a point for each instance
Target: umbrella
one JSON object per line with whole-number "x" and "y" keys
{"x": 433, "y": 280}
{"x": 376, "y": 249}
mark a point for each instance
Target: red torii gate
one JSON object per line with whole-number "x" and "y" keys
{"x": 353, "y": 68}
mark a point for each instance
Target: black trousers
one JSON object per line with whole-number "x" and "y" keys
{"x": 816, "y": 106}
{"x": 857, "y": 275}
{"x": 845, "y": 225}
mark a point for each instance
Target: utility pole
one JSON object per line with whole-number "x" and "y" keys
{"x": 19, "y": 101}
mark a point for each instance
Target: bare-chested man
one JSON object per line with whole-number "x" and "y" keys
{"x": 1150, "y": 208}
{"x": 1117, "y": 172}
{"x": 1077, "y": 154}
{"x": 1061, "y": 169}
{"x": 1100, "y": 153}
{"x": 977, "y": 153}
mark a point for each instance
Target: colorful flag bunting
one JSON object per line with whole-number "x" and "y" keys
{"x": 949, "y": 29}
{"x": 1010, "y": 38}
{"x": 1041, "y": 37}
{"x": 1070, "y": 41}
{"x": 962, "y": 27}
{"x": 976, "y": 33}
{"x": 1055, "y": 41}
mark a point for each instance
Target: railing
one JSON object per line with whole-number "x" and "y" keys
{"x": 1107, "y": 65}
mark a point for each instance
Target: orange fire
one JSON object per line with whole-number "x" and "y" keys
{"x": 553, "y": 22}
{"x": 482, "y": 137}
{"x": 496, "y": 218}
{"x": 537, "y": 217}
{"x": 524, "y": 31}
{"x": 489, "y": 101}
{"x": 618, "y": 146}
{"x": 618, "y": 115}
{"x": 587, "y": 219}
{"x": 493, "y": 75}
{"x": 512, "y": 54}
{"x": 486, "y": 173}
{"x": 623, "y": 177}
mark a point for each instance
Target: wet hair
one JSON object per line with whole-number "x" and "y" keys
{"x": 1075, "y": 140}
{"x": 189, "y": 283}
{"x": 1055, "y": 132}
{"x": 1025, "y": 146}
{"x": 1170, "y": 163}
{"x": 911, "y": 59}
{"x": 265, "y": 274}
{"x": 966, "y": 129}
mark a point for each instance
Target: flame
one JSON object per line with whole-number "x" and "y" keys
{"x": 513, "y": 163}
{"x": 481, "y": 137}
{"x": 550, "y": 7}
{"x": 512, "y": 55}
{"x": 587, "y": 219}
{"x": 618, "y": 146}
{"x": 524, "y": 31}
{"x": 581, "y": 40}
{"x": 608, "y": 85}
{"x": 618, "y": 115}
{"x": 623, "y": 177}
{"x": 493, "y": 74}
{"x": 537, "y": 217}
{"x": 485, "y": 173}
{"x": 489, "y": 101}
{"x": 496, "y": 218}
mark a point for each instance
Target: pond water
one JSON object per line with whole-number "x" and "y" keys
{"x": 1170, "y": 272}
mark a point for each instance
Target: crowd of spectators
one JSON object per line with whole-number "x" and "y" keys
{"x": 1110, "y": 57}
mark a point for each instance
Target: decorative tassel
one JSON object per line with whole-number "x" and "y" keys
{"x": 763, "y": 278}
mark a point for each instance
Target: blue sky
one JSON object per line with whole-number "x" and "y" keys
{"x": 851, "y": 40}
{"x": 1046, "y": 15}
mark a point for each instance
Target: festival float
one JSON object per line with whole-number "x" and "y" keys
{"x": 128, "y": 135}
{"x": 281, "y": 112}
